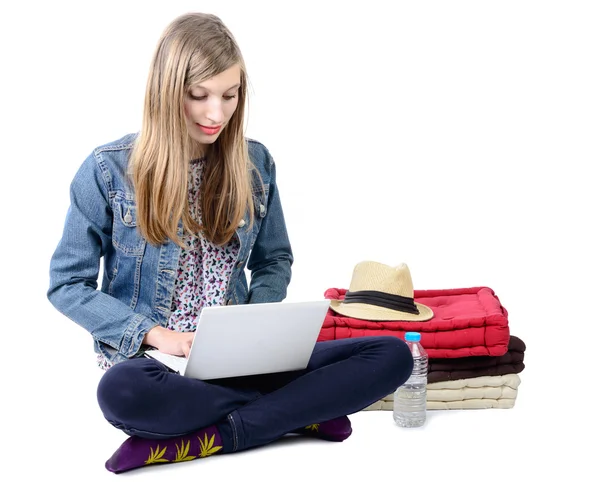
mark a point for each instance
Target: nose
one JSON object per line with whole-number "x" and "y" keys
{"x": 215, "y": 111}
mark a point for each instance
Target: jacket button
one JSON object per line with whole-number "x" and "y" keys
{"x": 241, "y": 223}
{"x": 229, "y": 302}
{"x": 240, "y": 264}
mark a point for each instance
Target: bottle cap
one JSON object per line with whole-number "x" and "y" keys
{"x": 412, "y": 336}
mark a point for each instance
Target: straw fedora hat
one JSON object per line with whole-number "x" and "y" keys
{"x": 379, "y": 292}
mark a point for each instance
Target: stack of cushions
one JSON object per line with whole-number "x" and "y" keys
{"x": 474, "y": 361}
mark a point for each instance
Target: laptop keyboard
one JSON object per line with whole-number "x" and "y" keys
{"x": 176, "y": 363}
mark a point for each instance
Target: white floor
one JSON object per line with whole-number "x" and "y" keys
{"x": 57, "y": 433}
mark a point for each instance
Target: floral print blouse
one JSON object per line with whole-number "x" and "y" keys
{"x": 203, "y": 272}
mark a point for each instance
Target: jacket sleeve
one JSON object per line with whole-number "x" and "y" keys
{"x": 74, "y": 267}
{"x": 271, "y": 258}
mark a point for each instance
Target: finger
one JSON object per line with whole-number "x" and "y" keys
{"x": 186, "y": 349}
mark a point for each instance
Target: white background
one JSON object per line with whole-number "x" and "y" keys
{"x": 460, "y": 137}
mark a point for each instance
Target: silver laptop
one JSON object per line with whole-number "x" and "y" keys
{"x": 250, "y": 339}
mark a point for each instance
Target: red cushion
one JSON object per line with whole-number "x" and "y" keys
{"x": 466, "y": 322}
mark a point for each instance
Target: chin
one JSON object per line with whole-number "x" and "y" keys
{"x": 205, "y": 140}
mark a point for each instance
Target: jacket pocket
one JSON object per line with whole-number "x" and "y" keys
{"x": 260, "y": 205}
{"x": 260, "y": 198}
{"x": 126, "y": 236}
{"x": 260, "y": 212}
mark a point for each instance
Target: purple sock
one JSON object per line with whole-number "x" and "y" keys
{"x": 138, "y": 452}
{"x": 337, "y": 429}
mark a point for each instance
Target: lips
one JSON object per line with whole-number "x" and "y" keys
{"x": 209, "y": 130}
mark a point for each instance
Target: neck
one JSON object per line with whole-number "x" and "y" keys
{"x": 197, "y": 151}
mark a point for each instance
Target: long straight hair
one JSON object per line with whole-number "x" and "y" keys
{"x": 193, "y": 48}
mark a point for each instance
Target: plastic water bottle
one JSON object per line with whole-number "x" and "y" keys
{"x": 410, "y": 399}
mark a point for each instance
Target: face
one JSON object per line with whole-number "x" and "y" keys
{"x": 210, "y": 105}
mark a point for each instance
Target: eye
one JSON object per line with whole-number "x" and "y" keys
{"x": 229, "y": 97}
{"x": 198, "y": 98}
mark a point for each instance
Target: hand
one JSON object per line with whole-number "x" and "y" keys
{"x": 170, "y": 342}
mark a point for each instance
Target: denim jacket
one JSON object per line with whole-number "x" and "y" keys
{"x": 139, "y": 278}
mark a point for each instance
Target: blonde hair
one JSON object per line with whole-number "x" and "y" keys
{"x": 194, "y": 47}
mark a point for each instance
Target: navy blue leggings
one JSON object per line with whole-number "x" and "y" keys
{"x": 143, "y": 397}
